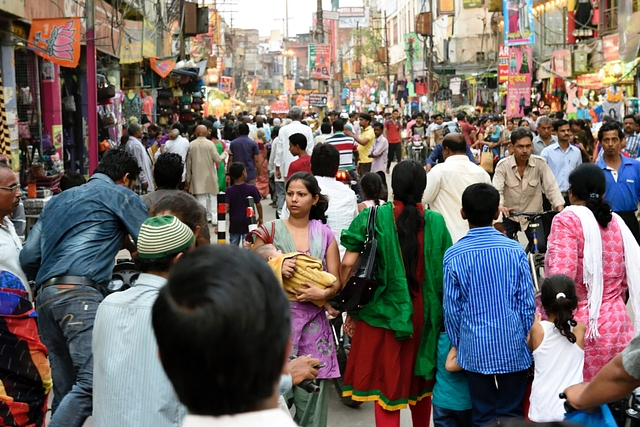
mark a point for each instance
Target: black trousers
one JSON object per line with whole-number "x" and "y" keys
{"x": 395, "y": 152}
{"x": 496, "y": 396}
{"x": 629, "y": 218}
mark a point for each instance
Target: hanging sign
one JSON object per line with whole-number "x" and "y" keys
{"x": 320, "y": 61}
{"x": 518, "y": 22}
{"x": 503, "y": 64}
{"x": 57, "y": 40}
{"x": 519, "y": 84}
{"x": 162, "y": 67}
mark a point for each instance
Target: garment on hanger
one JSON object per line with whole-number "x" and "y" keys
{"x": 131, "y": 106}
{"x": 583, "y": 19}
{"x": 148, "y": 107}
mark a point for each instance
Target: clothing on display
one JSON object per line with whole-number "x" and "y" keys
{"x": 132, "y": 105}
{"x": 583, "y": 19}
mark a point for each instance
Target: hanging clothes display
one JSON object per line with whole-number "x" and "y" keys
{"x": 148, "y": 108}
{"x": 132, "y": 106}
{"x": 584, "y": 15}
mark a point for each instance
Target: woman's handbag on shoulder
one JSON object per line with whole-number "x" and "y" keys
{"x": 360, "y": 287}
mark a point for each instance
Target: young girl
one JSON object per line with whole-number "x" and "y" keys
{"x": 373, "y": 190}
{"x": 558, "y": 349}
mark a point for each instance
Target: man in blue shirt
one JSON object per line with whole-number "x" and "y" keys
{"x": 488, "y": 309}
{"x": 562, "y": 157}
{"x": 245, "y": 150}
{"x": 70, "y": 253}
{"x": 622, "y": 174}
{"x": 437, "y": 156}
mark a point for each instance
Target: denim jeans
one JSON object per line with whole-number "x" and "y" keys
{"x": 65, "y": 322}
{"x": 237, "y": 239}
{"x": 449, "y": 418}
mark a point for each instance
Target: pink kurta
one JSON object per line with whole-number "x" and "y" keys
{"x": 565, "y": 255}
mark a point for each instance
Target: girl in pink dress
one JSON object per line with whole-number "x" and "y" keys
{"x": 570, "y": 250}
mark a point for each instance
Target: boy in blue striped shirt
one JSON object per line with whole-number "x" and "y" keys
{"x": 488, "y": 309}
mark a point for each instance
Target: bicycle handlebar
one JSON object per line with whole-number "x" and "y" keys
{"x": 532, "y": 215}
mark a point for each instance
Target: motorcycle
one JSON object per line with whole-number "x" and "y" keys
{"x": 417, "y": 146}
{"x": 123, "y": 277}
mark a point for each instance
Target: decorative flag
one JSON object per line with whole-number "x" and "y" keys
{"x": 162, "y": 66}
{"x": 57, "y": 40}
{"x": 518, "y": 22}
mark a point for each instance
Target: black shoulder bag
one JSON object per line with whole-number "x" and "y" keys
{"x": 360, "y": 287}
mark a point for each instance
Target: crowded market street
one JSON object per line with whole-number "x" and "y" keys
{"x": 389, "y": 213}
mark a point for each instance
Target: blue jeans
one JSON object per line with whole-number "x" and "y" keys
{"x": 237, "y": 239}
{"x": 494, "y": 397}
{"x": 449, "y": 418}
{"x": 65, "y": 323}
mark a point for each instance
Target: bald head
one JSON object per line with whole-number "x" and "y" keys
{"x": 201, "y": 130}
{"x": 174, "y": 134}
{"x": 455, "y": 143}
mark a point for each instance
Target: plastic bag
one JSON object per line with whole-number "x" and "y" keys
{"x": 603, "y": 418}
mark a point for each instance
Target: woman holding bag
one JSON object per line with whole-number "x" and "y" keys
{"x": 393, "y": 350}
{"x": 305, "y": 231}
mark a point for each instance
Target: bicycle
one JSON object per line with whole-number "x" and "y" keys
{"x": 535, "y": 256}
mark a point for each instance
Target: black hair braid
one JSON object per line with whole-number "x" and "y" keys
{"x": 601, "y": 210}
{"x": 559, "y": 298}
{"x": 564, "y": 320}
{"x": 409, "y": 224}
{"x": 318, "y": 211}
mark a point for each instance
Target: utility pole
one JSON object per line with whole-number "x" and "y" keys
{"x": 322, "y": 84}
{"x": 92, "y": 86}
{"x": 386, "y": 57}
{"x": 182, "y": 38}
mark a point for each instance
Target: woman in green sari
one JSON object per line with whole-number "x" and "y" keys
{"x": 393, "y": 351}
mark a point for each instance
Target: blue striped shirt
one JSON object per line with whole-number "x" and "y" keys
{"x": 130, "y": 387}
{"x": 488, "y": 302}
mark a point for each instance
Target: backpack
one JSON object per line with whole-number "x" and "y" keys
{"x": 451, "y": 127}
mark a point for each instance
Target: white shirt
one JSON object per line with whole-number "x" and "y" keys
{"x": 10, "y": 247}
{"x": 269, "y": 418}
{"x": 343, "y": 207}
{"x": 445, "y": 184}
{"x": 283, "y": 157}
{"x": 137, "y": 150}
{"x": 180, "y": 146}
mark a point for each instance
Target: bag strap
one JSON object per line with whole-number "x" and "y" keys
{"x": 371, "y": 223}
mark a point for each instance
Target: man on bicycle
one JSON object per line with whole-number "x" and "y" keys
{"x": 520, "y": 180}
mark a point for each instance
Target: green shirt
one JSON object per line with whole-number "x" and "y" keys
{"x": 391, "y": 307}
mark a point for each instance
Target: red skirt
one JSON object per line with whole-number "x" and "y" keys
{"x": 380, "y": 367}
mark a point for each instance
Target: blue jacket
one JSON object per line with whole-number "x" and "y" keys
{"x": 81, "y": 230}
{"x": 624, "y": 193}
{"x": 437, "y": 156}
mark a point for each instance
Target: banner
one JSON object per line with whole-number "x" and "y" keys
{"x": 289, "y": 87}
{"x": 518, "y": 22}
{"x": 503, "y": 64}
{"x": 470, "y": 4}
{"x": 320, "y": 61}
{"x": 412, "y": 50}
{"x": 226, "y": 84}
{"x": 162, "y": 67}
{"x": 519, "y": 84}
{"x": 57, "y": 40}
{"x": 561, "y": 64}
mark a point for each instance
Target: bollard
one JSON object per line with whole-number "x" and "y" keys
{"x": 222, "y": 219}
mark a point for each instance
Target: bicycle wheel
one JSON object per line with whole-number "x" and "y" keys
{"x": 343, "y": 345}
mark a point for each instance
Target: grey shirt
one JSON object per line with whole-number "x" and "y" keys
{"x": 631, "y": 358}
{"x": 539, "y": 145}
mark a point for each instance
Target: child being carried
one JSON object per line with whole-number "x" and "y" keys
{"x": 308, "y": 270}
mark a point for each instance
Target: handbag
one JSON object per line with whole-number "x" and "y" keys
{"x": 109, "y": 119}
{"x": 69, "y": 104}
{"x": 165, "y": 93}
{"x": 197, "y": 94}
{"x": 486, "y": 161}
{"x": 360, "y": 287}
{"x": 177, "y": 92}
{"x": 185, "y": 99}
{"x": 106, "y": 92}
{"x": 195, "y": 106}
{"x": 165, "y": 103}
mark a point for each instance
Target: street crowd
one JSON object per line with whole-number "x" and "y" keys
{"x": 227, "y": 334}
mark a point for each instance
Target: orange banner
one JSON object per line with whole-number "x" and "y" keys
{"x": 162, "y": 66}
{"x": 57, "y": 40}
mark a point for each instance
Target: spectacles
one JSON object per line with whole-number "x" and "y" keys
{"x": 13, "y": 188}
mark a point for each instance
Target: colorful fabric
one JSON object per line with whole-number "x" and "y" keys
{"x": 222, "y": 173}
{"x": 25, "y": 376}
{"x": 310, "y": 329}
{"x": 393, "y": 354}
{"x": 565, "y": 255}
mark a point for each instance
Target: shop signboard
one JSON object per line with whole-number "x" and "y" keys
{"x": 562, "y": 63}
{"x": 610, "y": 47}
{"x": 318, "y": 99}
{"x": 446, "y": 7}
{"x": 268, "y": 92}
{"x": 57, "y": 40}
{"x": 289, "y": 87}
{"x": 353, "y": 17}
{"x": 470, "y": 4}
{"x": 355, "y": 83}
{"x": 518, "y": 22}
{"x": 590, "y": 81}
{"x": 503, "y": 64}
{"x": 320, "y": 61}
{"x": 519, "y": 82}
{"x": 226, "y": 84}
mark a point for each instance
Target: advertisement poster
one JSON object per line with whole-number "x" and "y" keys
{"x": 289, "y": 87}
{"x": 320, "y": 61}
{"x": 412, "y": 50}
{"x": 519, "y": 83}
{"x": 518, "y": 22}
{"x": 57, "y": 40}
{"x": 503, "y": 64}
{"x": 56, "y": 136}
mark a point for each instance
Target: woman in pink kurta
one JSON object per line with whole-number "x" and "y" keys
{"x": 565, "y": 255}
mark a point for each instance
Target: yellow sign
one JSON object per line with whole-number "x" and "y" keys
{"x": 56, "y": 137}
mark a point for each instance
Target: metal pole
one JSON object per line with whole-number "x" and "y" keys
{"x": 386, "y": 47}
{"x": 222, "y": 218}
{"x": 92, "y": 86}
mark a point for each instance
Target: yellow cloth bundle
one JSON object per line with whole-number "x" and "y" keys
{"x": 308, "y": 269}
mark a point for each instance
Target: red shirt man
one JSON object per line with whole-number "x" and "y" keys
{"x": 298, "y": 147}
{"x": 467, "y": 129}
{"x": 392, "y": 128}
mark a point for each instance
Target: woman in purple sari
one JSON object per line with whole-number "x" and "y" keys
{"x": 305, "y": 232}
